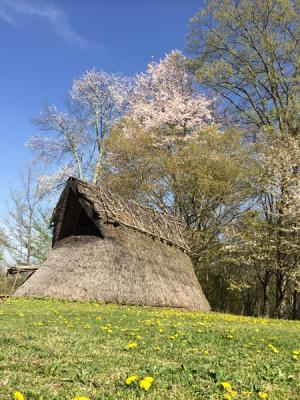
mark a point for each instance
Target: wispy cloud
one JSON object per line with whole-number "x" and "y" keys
{"x": 11, "y": 9}
{"x": 5, "y": 16}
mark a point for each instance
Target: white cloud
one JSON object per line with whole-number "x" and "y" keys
{"x": 10, "y": 9}
{"x": 5, "y": 16}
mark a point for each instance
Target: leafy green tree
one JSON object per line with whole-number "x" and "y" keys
{"x": 280, "y": 199}
{"x": 248, "y": 254}
{"x": 263, "y": 246}
{"x": 248, "y": 53}
{"x": 205, "y": 181}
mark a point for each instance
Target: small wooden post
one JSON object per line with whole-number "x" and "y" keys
{"x": 5, "y": 285}
{"x": 14, "y": 284}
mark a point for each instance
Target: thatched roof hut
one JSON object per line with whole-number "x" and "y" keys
{"x": 114, "y": 251}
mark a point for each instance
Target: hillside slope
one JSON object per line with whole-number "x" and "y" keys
{"x": 54, "y": 350}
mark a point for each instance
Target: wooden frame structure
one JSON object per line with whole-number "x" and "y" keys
{"x": 17, "y": 271}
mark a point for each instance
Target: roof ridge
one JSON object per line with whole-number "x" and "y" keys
{"x": 105, "y": 190}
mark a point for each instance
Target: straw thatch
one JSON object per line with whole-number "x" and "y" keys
{"x": 112, "y": 251}
{"x": 80, "y": 200}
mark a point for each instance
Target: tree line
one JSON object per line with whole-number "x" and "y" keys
{"x": 211, "y": 137}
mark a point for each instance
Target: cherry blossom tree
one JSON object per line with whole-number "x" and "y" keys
{"x": 76, "y": 135}
{"x": 69, "y": 140}
{"x": 165, "y": 100}
{"x": 103, "y": 97}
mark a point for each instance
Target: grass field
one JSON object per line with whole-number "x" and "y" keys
{"x": 59, "y": 350}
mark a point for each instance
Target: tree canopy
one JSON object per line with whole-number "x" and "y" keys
{"x": 248, "y": 53}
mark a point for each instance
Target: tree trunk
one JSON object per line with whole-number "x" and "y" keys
{"x": 281, "y": 294}
{"x": 295, "y": 305}
{"x": 266, "y": 293}
{"x": 78, "y": 163}
{"x": 29, "y": 239}
{"x": 97, "y": 172}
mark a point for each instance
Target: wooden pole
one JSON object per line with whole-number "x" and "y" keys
{"x": 5, "y": 284}
{"x": 14, "y": 284}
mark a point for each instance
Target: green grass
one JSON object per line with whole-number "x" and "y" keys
{"x": 58, "y": 350}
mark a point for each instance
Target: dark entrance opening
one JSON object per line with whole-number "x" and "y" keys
{"x": 85, "y": 226}
{"x": 76, "y": 221}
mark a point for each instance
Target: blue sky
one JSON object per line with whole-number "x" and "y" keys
{"x": 46, "y": 44}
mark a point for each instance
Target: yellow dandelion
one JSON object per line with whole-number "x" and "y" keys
{"x": 226, "y": 385}
{"x": 18, "y": 395}
{"x": 81, "y": 398}
{"x": 129, "y": 346}
{"x": 149, "y": 378}
{"x": 227, "y": 396}
{"x": 146, "y": 382}
{"x": 131, "y": 379}
{"x": 263, "y": 395}
{"x": 273, "y": 348}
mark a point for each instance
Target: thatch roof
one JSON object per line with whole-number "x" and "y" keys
{"x": 126, "y": 268}
{"x": 103, "y": 206}
{"x": 112, "y": 251}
